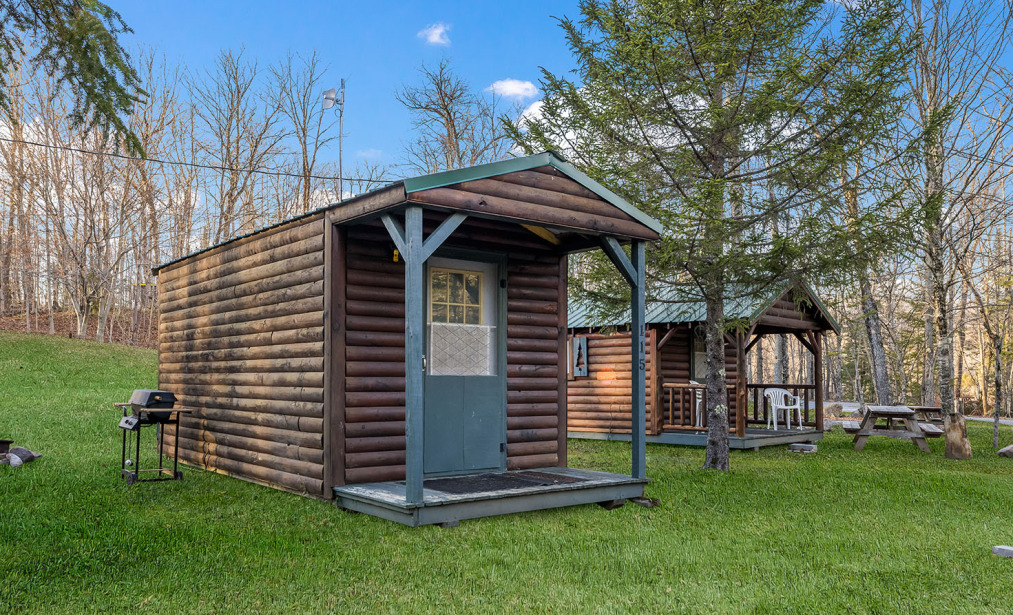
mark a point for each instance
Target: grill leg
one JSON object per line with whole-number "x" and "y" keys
{"x": 137, "y": 454}
{"x": 175, "y": 453}
{"x": 123, "y": 455}
{"x": 161, "y": 440}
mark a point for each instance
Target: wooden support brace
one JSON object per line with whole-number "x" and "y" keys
{"x": 804, "y": 342}
{"x": 618, "y": 257}
{"x": 442, "y": 232}
{"x": 667, "y": 337}
{"x": 753, "y": 342}
{"x": 396, "y": 233}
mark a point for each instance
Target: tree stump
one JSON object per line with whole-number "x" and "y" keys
{"x": 957, "y": 444}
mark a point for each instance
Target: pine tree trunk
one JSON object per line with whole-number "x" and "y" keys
{"x": 874, "y": 333}
{"x": 717, "y": 391}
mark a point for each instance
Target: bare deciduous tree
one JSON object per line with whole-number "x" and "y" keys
{"x": 455, "y": 127}
{"x": 957, "y": 78}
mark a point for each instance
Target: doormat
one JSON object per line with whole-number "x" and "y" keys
{"x": 553, "y": 479}
{"x": 479, "y": 483}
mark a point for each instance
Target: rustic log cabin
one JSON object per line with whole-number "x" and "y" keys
{"x": 404, "y": 351}
{"x": 599, "y": 381}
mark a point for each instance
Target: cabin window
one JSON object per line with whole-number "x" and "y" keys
{"x": 699, "y": 368}
{"x": 462, "y": 318}
{"x": 456, "y": 296}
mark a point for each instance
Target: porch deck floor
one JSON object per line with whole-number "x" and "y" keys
{"x": 755, "y": 438}
{"x": 472, "y": 496}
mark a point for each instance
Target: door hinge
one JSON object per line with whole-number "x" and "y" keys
{"x": 502, "y": 283}
{"x": 502, "y": 447}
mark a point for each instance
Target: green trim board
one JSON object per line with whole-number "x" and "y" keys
{"x": 526, "y": 163}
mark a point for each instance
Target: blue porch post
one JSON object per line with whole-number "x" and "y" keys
{"x": 637, "y": 314}
{"x": 415, "y": 252}
{"x": 414, "y": 323}
{"x": 633, "y": 269}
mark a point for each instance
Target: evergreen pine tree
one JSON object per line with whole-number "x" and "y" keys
{"x": 727, "y": 120}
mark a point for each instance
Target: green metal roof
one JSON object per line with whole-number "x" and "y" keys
{"x": 678, "y": 305}
{"x": 526, "y": 163}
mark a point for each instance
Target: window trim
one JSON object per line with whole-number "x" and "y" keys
{"x": 481, "y": 298}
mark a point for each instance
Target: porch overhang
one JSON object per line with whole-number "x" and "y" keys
{"x": 566, "y": 209}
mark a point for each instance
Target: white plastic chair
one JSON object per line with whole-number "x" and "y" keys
{"x": 782, "y": 399}
{"x": 698, "y": 393}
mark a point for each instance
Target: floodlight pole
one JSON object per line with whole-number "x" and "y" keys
{"x": 341, "y": 144}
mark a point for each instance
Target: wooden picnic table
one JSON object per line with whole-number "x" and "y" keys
{"x": 902, "y": 414}
{"x": 929, "y": 414}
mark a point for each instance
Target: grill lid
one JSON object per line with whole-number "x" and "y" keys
{"x": 152, "y": 399}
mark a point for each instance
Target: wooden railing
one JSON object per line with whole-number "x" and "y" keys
{"x": 687, "y": 406}
{"x": 761, "y": 405}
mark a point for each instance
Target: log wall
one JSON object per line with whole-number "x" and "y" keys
{"x": 373, "y": 413}
{"x": 601, "y": 401}
{"x": 786, "y": 315}
{"x": 241, "y": 343}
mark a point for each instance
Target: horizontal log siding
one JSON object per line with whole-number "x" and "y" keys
{"x": 241, "y": 344}
{"x": 374, "y": 431}
{"x": 602, "y": 401}
{"x": 785, "y": 314}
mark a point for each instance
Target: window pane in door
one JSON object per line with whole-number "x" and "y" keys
{"x": 439, "y": 289}
{"x": 456, "y": 287}
{"x": 460, "y": 344}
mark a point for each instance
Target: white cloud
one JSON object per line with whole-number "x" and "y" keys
{"x": 513, "y": 88}
{"x": 436, "y": 34}
{"x": 532, "y": 113}
{"x": 369, "y": 153}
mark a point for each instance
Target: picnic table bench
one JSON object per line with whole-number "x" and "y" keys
{"x": 906, "y": 426}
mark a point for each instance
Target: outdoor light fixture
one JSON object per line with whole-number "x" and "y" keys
{"x": 334, "y": 98}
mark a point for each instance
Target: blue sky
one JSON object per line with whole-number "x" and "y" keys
{"x": 376, "y": 45}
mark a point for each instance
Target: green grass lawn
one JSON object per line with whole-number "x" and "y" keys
{"x": 886, "y": 530}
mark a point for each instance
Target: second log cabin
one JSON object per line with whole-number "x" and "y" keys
{"x": 599, "y": 381}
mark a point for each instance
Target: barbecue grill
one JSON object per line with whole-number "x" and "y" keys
{"x": 149, "y": 407}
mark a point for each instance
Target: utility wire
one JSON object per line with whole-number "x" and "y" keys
{"x": 192, "y": 164}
